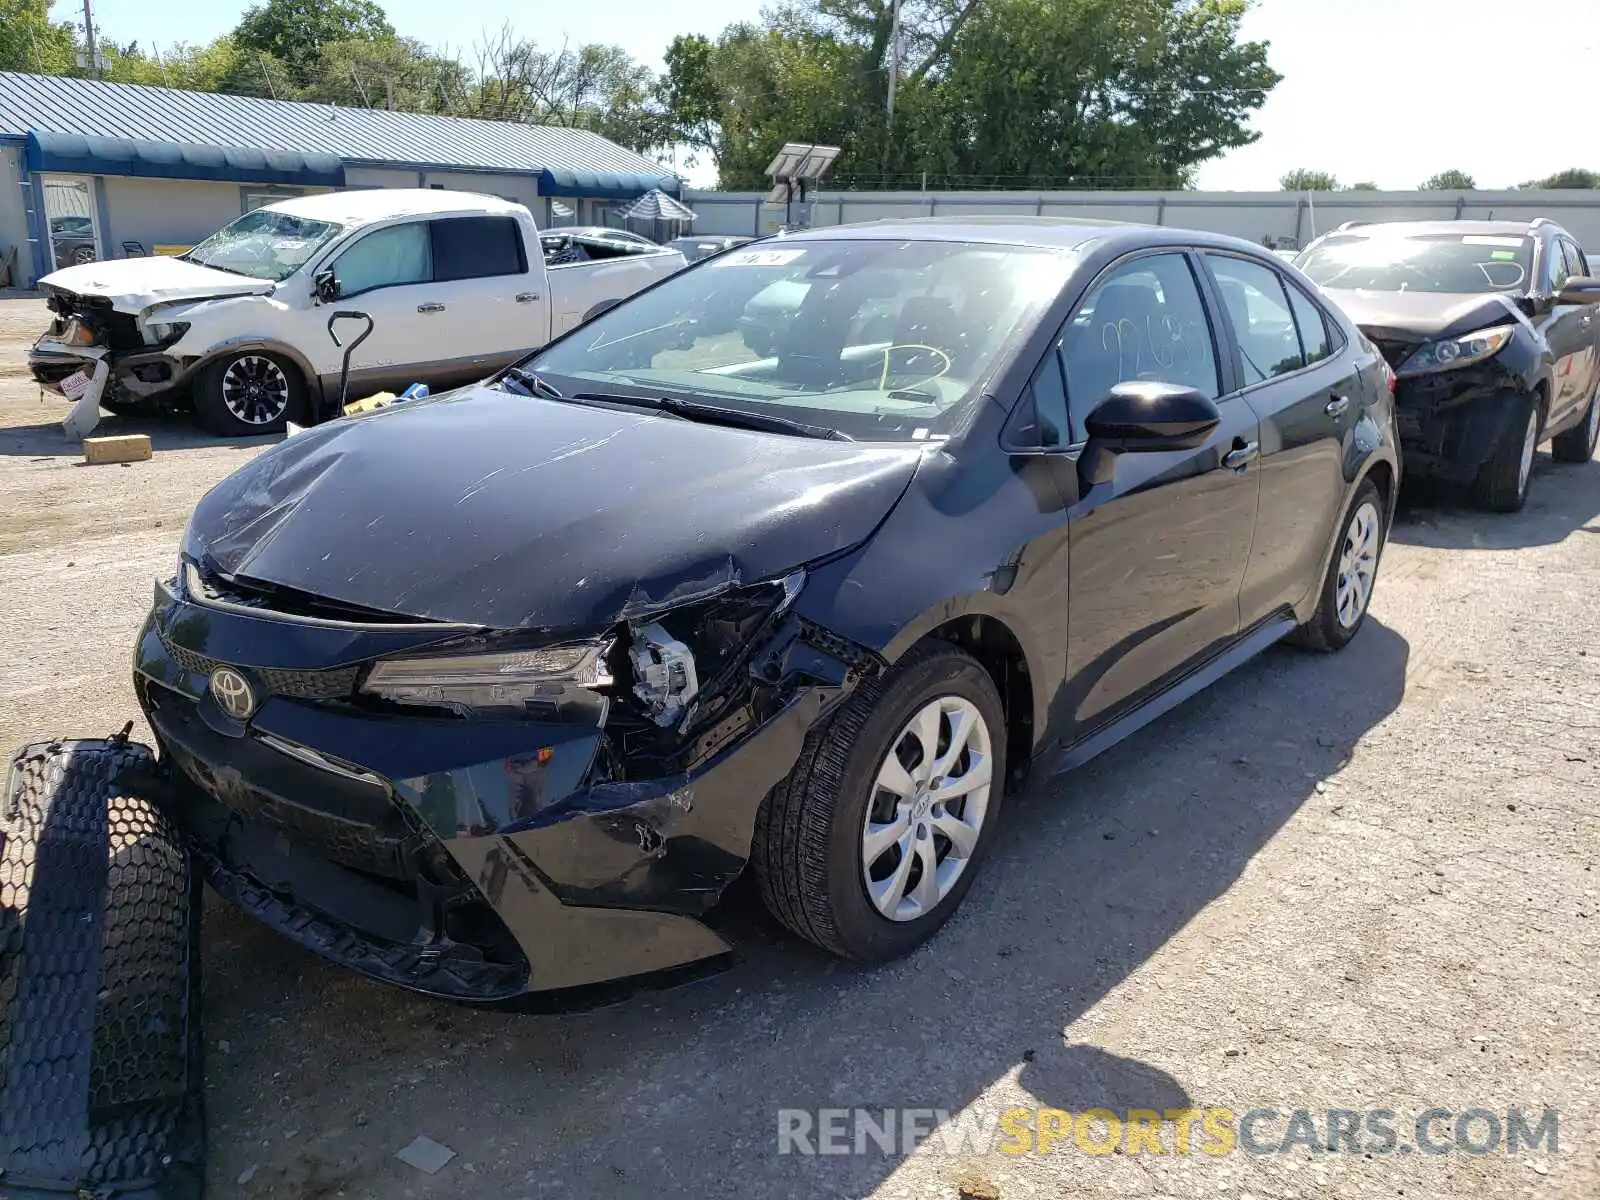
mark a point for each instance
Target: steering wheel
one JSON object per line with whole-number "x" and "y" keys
{"x": 888, "y": 351}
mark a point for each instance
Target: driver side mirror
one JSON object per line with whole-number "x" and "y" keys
{"x": 1580, "y": 289}
{"x": 1142, "y": 416}
{"x": 325, "y": 286}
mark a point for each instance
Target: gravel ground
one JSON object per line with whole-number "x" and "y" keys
{"x": 1366, "y": 881}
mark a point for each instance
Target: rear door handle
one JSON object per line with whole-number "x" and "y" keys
{"x": 1239, "y": 457}
{"x": 432, "y": 307}
{"x": 527, "y": 297}
{"x": 1336, "y": 406}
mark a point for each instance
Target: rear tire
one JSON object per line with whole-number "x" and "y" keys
{"x": 812, "y": 833}
{"x": 1577, "y": 444}
{"x": 249, "y": 393}
{"x": 1352, "y": 574}
{"x": 1502, "y": 484}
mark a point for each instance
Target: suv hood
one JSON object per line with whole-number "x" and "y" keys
{"x": 1422, "y": 316}
{"x": 134, "y": 284}
{"x": 506, "y": 511}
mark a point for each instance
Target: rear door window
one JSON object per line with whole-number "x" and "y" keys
{"x": 1263, "y": 322}
{"x": 477, "y": 248}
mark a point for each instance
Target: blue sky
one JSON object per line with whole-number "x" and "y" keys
{"x": 1383, "y": 90}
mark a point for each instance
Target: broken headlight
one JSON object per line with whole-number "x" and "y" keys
{"x": 558, "y": 682}
{"x": 78, "y": 332}
{"x": 667, "y": 677}
{"x": 1457, "y": 352}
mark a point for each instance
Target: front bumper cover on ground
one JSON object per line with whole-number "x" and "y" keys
{"x": 100, "y": 1045}
{"x": 473, "y": 860}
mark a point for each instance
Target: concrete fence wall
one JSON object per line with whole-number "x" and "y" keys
{"x": 1290, "y": 219}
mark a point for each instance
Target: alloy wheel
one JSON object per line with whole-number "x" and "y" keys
{"x": 1530, "y": 443}
{"x": 1358, "y": 565}
{"x": 1594, "y": 420}
{"x": 927, "y": 809}
{"x": 255, "y": 389}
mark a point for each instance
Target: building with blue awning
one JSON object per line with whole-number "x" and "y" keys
{"x": 100, "y": 170}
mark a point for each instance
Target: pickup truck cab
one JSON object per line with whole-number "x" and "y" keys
{"x": 456, "y": 284}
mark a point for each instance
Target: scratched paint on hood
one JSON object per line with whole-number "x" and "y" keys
{"x": 505, "y": 511}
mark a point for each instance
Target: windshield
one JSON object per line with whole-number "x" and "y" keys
{"x": 1437, "y": 262}
{"x": 871, "y": 339}
{"x": 263, "y": 244}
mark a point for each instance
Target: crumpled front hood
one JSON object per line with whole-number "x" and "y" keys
{"x": 134, "y": 284}
{"x": 1422, "y": 316}
{"x": 499, "y": 510}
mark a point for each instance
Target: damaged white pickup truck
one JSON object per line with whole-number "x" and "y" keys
{"x": 456, "y": 284}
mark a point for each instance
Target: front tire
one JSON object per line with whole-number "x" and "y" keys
{"x": 872, "y": 842}
{"x": 1577, "y": 444}
{"x": 1502, "y": 484}
{"x": 1352, "y": 574}
{"x": 250, "y": 393}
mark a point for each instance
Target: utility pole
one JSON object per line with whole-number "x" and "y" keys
{"x": 894, "y": 53}
{"x": 90, "y": 59}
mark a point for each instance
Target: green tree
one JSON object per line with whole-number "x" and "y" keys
{"x": 295, "y": 31}
{"x": 1366, "y": 185}
{"x": 1448, "y": 181}
{"x": 31, "y": 41}
{"x": 1304, "y": 179}
{"x": 1573, "y": 177}
{"x": 1008, "y": 91}
{"x": 380, "y": 72}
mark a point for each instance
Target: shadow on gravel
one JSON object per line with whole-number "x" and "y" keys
{"x": 1562, "y": 497}
{"x": 677, "y": 1094}
{"x": 168, "y": 431}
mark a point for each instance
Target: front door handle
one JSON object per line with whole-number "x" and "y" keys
{"x": 1239, "y": 457}
{"x": 1336, "y": 406}
{"x": 432, "y": 307}
{"x": 527, "y": 297}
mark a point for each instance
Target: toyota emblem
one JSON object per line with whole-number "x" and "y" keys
{"x": 233, "y": 693}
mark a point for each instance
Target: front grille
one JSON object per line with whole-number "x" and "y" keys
{"x": 355, "y": 822}
{"x": 335, "y": 684}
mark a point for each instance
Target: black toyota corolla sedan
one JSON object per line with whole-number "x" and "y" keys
{"x": 497, "y": 692}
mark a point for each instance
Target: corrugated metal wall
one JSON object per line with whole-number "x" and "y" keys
{"x": 1288, "y": 218}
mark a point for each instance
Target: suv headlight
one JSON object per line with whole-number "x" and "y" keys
{"x": 1457, "y": 352}
{"x": 559, "y": 682}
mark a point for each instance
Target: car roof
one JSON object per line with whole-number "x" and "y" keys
{"x": 1060, "y": 233}
{"x": 1425, "y": 228}
{"x": 366, "y": 205}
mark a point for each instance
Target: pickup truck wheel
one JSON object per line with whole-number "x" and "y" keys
{"x": 239, "y": 395}
{"x": 873, "y": 840}
{"x": 1502, "y": 484}
{"x": 1577, "y": 444}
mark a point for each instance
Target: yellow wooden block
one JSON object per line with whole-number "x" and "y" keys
{"x": 126, "y": 447}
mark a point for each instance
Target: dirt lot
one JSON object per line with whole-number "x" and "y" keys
{"x": 1361, "y": 882}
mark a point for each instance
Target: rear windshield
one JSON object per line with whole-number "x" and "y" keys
{"x": 1435, "y": 262}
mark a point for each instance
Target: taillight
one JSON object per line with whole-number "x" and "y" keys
{"x": 1388, "y": 375}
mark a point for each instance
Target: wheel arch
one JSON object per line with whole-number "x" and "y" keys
{"x": 1017, "y": 668}
{"x": 247, "y": 345}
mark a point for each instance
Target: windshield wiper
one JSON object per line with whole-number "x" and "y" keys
{"x": 711, "y": 414}
{"x": 535, "y": 383}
